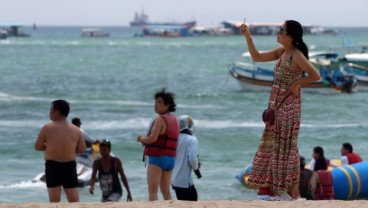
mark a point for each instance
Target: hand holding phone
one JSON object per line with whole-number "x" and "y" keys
{"x": 243, "y": 27}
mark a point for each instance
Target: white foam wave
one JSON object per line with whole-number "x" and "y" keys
{"x": 117, "y": 102}
{"x": 137, "y": 123}
{"x": 211, "y": 124}
{"x": 335, "y": 126}
{"x": 22, "y": 123}
{"x": 207, "y": 106}
{"x": 24, "y": 185}
{"x": 8, "y": 97}
{"x": 143, "y": 122}
{"x": 3, "y": 95}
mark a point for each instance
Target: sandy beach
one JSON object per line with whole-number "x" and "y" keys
{"x": 202, "y": 204}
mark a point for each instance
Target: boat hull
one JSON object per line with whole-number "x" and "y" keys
{"x": 258, "y": 80}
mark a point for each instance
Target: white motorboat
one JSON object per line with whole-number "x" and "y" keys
{"x": 84, "y": 168}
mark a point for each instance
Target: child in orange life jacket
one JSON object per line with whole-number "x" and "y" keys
{"x": 108, "y": 168}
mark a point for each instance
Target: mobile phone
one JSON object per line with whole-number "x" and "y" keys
{"x": 245, "y": 19}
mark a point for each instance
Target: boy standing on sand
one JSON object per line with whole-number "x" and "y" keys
{"x": 60, "y": 140}
{"x": 108, "y": 168}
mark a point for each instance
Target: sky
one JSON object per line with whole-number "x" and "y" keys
{"x": 205, "y": 12}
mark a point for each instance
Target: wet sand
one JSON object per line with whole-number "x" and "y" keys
{"x": 200, "y": 204}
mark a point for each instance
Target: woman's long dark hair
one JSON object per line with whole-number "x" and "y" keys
{"x": 321, "y": 163}
{"x": 295, "y": 30}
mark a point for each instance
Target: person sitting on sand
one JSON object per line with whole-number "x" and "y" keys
{"x": 321, "y": 184}
{"x": 60, "y": 140}
{"x": 304, "y": 180}
{"x": 108, "y": 168}
{"x": 348, "y": 156}
{"x": 319, "y": 162}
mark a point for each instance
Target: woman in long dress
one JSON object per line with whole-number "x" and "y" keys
{"x": 276, "y": 163}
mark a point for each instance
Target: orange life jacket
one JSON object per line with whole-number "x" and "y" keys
{"x": 324, "y": 190}
{"x": 353, "y": 158}
{"x": 167, "y": 142}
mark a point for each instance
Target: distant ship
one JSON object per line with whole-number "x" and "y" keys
{"x": 141, "y": 20}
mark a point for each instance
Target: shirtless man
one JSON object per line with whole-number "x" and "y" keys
{"x": 60, "y": 140}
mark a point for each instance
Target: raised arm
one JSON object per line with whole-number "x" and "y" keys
{"x": 120, "y": 169}
{"x": 257, "y": 56}
{"x": 157, "y": 129}
{"x": 40, "y": 143}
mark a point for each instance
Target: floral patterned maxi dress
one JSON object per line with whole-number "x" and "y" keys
{"x": 276, "y": 163}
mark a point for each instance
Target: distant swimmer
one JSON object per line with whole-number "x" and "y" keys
{"x": 304, "y": 180}
{"x": 348, "y": 156}
{"x": 319, "y": 162}
{"x": 60, "y": 140}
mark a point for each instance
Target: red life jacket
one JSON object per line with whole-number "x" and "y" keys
{"x": 353, "y": 158}
{"x": 324, "y": 190}
{"x": 327, "y": 163}
{"x": 167, "y": 142}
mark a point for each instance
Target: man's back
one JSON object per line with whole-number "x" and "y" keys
{"x": 63, "y": 140}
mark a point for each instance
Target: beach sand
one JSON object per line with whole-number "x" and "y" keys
{"x": 200, "y": 204}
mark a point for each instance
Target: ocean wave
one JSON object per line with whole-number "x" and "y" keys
{"x": 8, "y": 97}
{"x": 143, "y": 122}
{"x": 137, "y": 123}
{"x": 22, "y": 123}
{"x": 211, "y": 124}
{"x": 24, "y": 185}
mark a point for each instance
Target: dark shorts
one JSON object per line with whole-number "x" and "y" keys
{"x": 186, "y": 194}
{"x": 61, "y": 174}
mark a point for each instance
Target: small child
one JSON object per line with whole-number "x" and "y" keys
{"x": 108, "y": 168}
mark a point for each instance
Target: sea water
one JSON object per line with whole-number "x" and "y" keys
{"x": 110, "y": 83}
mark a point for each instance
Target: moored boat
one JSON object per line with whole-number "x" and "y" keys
{"x": 260, "y": 79}
{"x": 94, "y": 32}
{"x": 331, "y": 61}
{"x": 141, "y": 20}
{"x": 84, "y": 166}
{"x": 13, "y": 29}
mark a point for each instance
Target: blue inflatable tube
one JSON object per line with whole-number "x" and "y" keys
{"x": 351, "y": 181}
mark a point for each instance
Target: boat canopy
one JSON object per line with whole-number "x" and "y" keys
{"x": 362, "y": 57}
{"x": 323, "y": 54}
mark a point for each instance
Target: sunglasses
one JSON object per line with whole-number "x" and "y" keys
{"x": 281, "y": 30}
